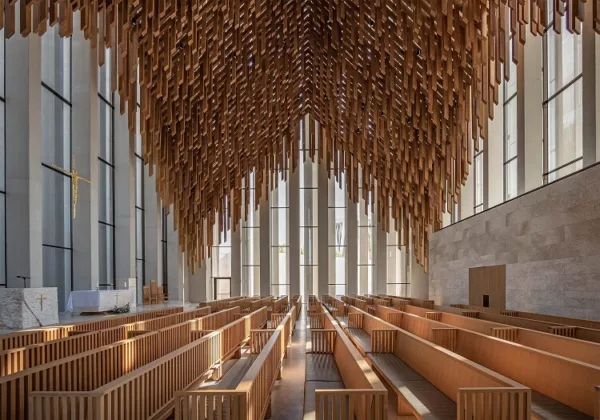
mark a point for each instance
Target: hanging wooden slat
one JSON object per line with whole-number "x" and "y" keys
{"x": 398, "y": 92}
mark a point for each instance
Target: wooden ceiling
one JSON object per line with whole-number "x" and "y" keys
{"x": 396, "y": 90}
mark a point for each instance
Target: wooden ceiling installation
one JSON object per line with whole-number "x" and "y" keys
{"x": 396, "y": 89}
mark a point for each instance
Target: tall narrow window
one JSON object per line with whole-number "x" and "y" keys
{"x": 280, "y": 246}
{"x": 398, "y": 280}
{"x": 479, "y": 181}
{"x": 56, "y": 162}
{"x": 165, "y": 251}
{"x": 563, "y": 111}
{"x": 221, "y": 262}
{"x": 2, "y": 163}
{"x": 106, "y": 176}
{"x": 309, "y": 193}
{"x": 366, "y": 232}
{"x": 140, "y": 217}
{"x": 337, "y": 234}
{"x": 250, "y": 240}
{"x": 510, "y": 130}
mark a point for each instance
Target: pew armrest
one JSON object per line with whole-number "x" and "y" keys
{"x": 383, "y": 341}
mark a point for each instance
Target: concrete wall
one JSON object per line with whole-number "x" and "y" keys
{"x": 549, "y": 240}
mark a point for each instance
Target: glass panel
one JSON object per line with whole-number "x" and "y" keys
{"x": 337, "y": 265}
{"x": 337, "y": 290}
{"x": 251, "y": 277}
{"x": 139, "y": 233}
{"x": 2, "y": 237}
{"x": 337, "y": 195}
{"x": 479, "y": 179}
{"x": 222, "y": 288}
{"x": 56, "y": 217}
{"x": 279, "y": 264}
{"x": 279, "y": 290}
{"x": 106, "y": 253}
{"x": 140, "y": 274}
{"x": 365, "y": 245}
{"x": 139, "y": 174}
{"x": 250, "y": 246}
{"x": 138, "y": 136}
{"x": 57, "y": 272}
{"x": 106, "y": 135}
{"x": 2, "y": 62}
{"x": 337, "y": 229}
{"x": 511, "y": 84}
{"x": 564, "y": 58}
{"x": 56, "y": 62}
{"x": 575, "y": 166}
{"x": 279, "y": 196}
{"x": 395, "y": 272}
{"x": 104, "y": 77}
{"x": 279, "y": 223}
{"x": 510, "y": 176}
{"x": 565, "y": 124}
{"x": 365, "y": 279}
{"x": 308, "y": 206}
{"x": 309, "y": 279}
{"x": 365, "y": 214}
{"x": 221, "y": 261}
{"x": 105, "y": 192}
{"x": 2, "y": 143}
{"x": 308, "y": 246}
{"x": 510, "y": 143}
{"x": 56, "y": 130}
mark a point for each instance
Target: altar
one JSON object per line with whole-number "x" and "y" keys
{"x": 99, "y": 300}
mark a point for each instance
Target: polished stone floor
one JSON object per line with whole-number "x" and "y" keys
{"x": 287, "y": 399}
{"x": 66, "y": 318}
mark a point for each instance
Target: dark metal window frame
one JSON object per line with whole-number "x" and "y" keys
{"x": 110, "y": 165}
{"x": 3, "y": 190}
{"x": 142, "y": 210}
{"x": 47, "y": 166}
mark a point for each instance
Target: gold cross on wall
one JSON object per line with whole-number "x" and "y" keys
{"x": 42, "y": 298}
{"x": 75, "y": 178}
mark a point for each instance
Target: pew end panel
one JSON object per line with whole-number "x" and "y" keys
{"x": 359, "y": 404}
{"x": 510, "y": 403}
{"x": 323, "y": 341}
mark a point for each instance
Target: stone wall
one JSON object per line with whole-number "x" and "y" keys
{"x": 549, "y": 240}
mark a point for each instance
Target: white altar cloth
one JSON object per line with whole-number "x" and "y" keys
{"x": 98, "y": 300}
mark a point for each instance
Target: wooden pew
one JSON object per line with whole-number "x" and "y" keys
{"x": 26, "y": 338}
{"x": 218, "y": 305}
{"x": 581, "y": 333}
{"x": 583, "y": 351}
{"x": 93, "y": 367}
{"x": 247, "y": 397}
{"x": 545, "y": 373}
{"x": 423, "y": 303}
{"x": 430, "y": 381}
{"x": 279, "y": 304}
{"x": 337, "y": 376}
{"x": 150, "y": 389}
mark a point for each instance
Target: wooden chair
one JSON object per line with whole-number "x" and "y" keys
{"x": 146, "y": 292}
{"x": 153, "y": 291}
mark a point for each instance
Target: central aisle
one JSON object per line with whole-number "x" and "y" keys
{"x": 287, "y": 399}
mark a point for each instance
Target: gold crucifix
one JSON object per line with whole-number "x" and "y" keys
{"x": 41, "y": 299}
{"x": 75, "y": 178}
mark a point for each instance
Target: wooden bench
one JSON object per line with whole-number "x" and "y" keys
{"x": 584, "y": 351}
{"x": 150, "y": 389}
{"x": 579, "y": 328}
{"x": 95, "y": 367}
{"x": 339, "y": 383}
{"x": 430, "y": 381}
{"x": 250, "y": 396}
{"x": 26, "y": 338}
{"x": 423, "y": 303}
{"x": 543, "y": 372}
{"x": 79, "y": 341}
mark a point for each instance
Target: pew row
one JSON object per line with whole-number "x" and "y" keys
{"x": 561, "y": 320}
{"x": 339, "y": 383}
{"x": 91, "y": 369}
{"x": 512, "y": 318}
{"x": 429, "y": 381}
{"x": 18, "y": 359}
{"x": 245, "y": 391}
{"x": 423, "y": 303}
{"x": 28, "y": 337}
{"x": 583, "y": 351}
{"x": 543, "y": 372}
{"x": 149, "y": 390}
